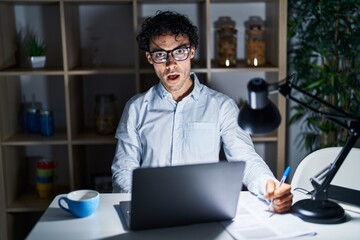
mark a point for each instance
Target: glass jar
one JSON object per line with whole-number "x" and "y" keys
{"x": 255, "y": 42}
{"x": 33, "y": 120}
{"x": 226, "y": 42}
{"x": 47, "y": 122}
{"x": 105, "y": 114}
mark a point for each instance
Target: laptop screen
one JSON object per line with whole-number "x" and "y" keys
{"x": 187, "y": 194}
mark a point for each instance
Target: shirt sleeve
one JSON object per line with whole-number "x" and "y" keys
{"x": 127, "y": 153}
{"x": 238, "y": 146}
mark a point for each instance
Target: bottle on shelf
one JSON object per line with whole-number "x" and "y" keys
{"x": 255, "y": 42}
{"x": 33, "y": 120}
{"x": 226, "y": 42}
{"x": 47, "y": 122}
{"x": 33, "y": 124}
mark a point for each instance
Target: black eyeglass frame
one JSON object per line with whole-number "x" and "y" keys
{"x": 185, "y": 47}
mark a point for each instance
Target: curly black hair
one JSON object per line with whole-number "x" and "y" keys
{"x": 164, "y": 23}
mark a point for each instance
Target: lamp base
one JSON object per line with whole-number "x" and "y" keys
{"x": 319, "y": 211}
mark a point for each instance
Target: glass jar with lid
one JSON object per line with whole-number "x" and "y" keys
{"x": 33, "y": 120}
{"x": 226, "y": 42}
{"x": 47, "y": 122}
{"x": 105, "y": 114}
{"x": 255, "y": 42}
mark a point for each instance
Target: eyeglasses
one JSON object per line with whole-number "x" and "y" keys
{"x": 178, "y": 54}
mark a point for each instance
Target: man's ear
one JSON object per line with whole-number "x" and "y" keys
{"x": 148, "y": 57}
{"x": 192, "y": 53}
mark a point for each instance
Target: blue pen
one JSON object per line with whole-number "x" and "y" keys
{"x": 282, "y": 180}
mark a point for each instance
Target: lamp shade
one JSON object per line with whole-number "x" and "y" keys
{"x": 259, "y": 115}
{"x": 259, "y": 121}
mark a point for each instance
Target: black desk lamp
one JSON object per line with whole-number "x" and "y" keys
{"x": 259, "y": 115}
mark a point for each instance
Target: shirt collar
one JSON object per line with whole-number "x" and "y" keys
{"x": 195, "y": 93}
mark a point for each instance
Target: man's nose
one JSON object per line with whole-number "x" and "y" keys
{"x": 169, "y": 59}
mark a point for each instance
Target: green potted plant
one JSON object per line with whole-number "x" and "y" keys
{"x": 36, "y": 50}
{"x": 324, "y": 46}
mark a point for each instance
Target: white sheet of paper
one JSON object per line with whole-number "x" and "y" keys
{"x": 254, "y": 221}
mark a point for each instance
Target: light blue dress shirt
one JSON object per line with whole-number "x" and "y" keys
{"x": 156, "y": 131}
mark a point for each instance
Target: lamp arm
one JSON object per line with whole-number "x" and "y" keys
{"x": 321, "y": 181}
{"x": 285, "y": 87}
{"x": 331, "y": 116}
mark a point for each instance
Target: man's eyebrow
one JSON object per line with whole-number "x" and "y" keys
{"x": 183, "y": 45}
{"x": 161, "y": 49}
{"x": 156, "y": 49}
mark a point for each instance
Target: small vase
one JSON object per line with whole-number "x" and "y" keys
{"x": 38, "y": 62}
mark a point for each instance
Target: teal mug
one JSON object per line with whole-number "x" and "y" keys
{"x": 80, "y": 203}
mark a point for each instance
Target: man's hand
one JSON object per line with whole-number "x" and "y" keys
{"x": 281, "y": 196}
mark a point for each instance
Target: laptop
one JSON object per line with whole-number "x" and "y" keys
{"x": 183, "y": 195}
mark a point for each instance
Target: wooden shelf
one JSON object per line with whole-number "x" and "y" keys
{"x": 272, "y": 137}
{"x": 242, "y": 67}
{"x": 14, "y": 71}
{"x": 102, "y": 70}
{"x": 26, "y": 139}
{"x": 30, "y": 202}
{"x": 70, "y": 84}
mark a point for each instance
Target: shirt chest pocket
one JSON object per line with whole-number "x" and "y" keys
{"x": 201, "y": 137}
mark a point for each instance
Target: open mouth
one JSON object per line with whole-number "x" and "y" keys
{"x": 173, "y": 77}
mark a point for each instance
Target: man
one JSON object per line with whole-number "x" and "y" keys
{"x": 180, "y": 121}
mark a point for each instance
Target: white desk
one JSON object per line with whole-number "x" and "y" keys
{"x": 105, "y": 223}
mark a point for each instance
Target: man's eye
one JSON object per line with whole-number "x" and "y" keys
{"x": 159, "y": 54}
{"x": 180, "y": 51}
